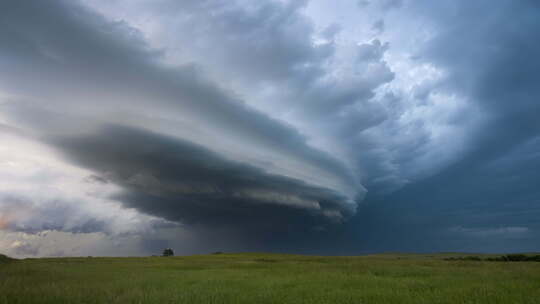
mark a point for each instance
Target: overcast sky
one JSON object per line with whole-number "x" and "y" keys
{"x": 322, "y": 127}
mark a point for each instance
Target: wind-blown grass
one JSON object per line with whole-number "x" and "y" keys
{"x": 268, "y": 278}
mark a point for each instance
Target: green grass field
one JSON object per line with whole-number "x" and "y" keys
{"x": 269, "y": 278}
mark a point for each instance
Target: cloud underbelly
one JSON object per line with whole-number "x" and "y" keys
{"x": 185, "y": 182}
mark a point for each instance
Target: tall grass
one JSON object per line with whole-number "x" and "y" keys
{"x": 268, "y": 278}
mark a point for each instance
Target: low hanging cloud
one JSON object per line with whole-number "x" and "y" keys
{"x": 184, "y": 182}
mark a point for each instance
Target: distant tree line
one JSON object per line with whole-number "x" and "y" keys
{"x": 503, "y": 258}
{"x": 168, "y": 252}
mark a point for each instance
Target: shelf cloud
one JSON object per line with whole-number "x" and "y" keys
{"x": 277, "y": 125}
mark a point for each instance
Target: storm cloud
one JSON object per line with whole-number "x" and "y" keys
{"x": 487, "y": 199}
{"x": 183, "y": 182}
{"x": 309, "y": 126}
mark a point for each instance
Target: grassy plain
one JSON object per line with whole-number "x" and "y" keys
{"x": 269, "y": 278}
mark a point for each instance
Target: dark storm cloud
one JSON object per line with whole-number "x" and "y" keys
{"x": 491, "y": 53}
{"x": 184, "y": 182}
{"x": 269, "y": 46}
{"x": 73, "y": 71}
{"x": 103, "y": 65}
{"x": 184, "y": 142}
